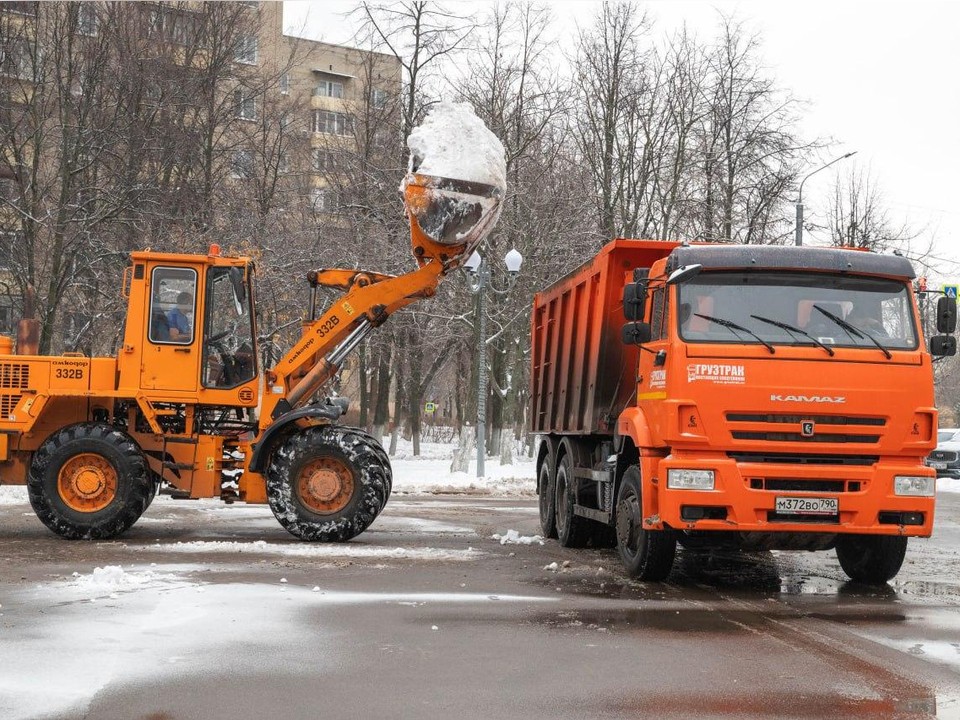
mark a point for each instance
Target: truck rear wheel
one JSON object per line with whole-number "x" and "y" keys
{"x": 871, "y": 559}
{"x": 546, "y": 490}
{"x": 89, "y": 481}
{"x": 572, "y": 530}
{"x": 328, "y": 483}
{"x": 646, "y": 554}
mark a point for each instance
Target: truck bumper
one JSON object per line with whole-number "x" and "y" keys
{"x": 745, "y": 495}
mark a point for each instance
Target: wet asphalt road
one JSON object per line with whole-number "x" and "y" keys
{"x": 217, "y": 613}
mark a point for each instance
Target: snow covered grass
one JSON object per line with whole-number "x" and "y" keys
{"x": 948, "y": 485}
{"x": 429, "y": 473}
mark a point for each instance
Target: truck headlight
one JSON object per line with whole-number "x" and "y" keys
{"x": 916, "y": 486}
{"x": 690, "y": 479}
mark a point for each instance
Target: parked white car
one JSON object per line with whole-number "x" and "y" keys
{"x": 946, "y": 458}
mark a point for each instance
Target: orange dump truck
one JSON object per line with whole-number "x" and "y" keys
{"x": 751, "y": 396}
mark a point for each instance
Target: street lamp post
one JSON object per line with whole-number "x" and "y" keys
{"x": 481, "y": 271}
{"x": 799, "y": 229}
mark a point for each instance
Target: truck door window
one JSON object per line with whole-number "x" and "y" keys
{"x": 229, "y": 356}
{"x": 173, "y": 293}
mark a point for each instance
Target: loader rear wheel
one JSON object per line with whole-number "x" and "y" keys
{"x": 89, "y": 481}
{"x": 871, "y": 559}
{"x": 646, "y": 554}
{"x": 328, "y": 483}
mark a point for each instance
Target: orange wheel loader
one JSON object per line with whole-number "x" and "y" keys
{"x": 185, "y": 406}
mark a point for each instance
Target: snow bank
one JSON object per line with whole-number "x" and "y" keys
{"x": 429, "y": 473}
{"x": 948, "y": 485}
{"x": 453, "y": 142}
{"x": 13, "y": 495}
{"x": 112, "y": 579}
{"x": 512, "y": 537}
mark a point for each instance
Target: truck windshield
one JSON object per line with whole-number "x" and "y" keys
{"x": 790, "y": 308}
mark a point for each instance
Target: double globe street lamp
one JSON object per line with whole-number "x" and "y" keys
{"x": 480, "y": 272}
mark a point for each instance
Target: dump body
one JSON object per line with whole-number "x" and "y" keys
{"x": 765, "y": 405}
{"x": 582, "y": 374}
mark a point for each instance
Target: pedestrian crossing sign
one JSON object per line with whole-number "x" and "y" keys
{"x": 950, "y": 291}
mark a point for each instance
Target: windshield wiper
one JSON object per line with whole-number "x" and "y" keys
{"x": 853, "y": 329}
{"x": 730, "y": 325}
{"x": 791, "y": 329}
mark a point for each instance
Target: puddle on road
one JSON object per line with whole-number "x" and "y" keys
{"x": 642, "y": 620}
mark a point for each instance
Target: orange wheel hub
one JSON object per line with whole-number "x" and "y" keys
{"x": 87, "y": 482}
{"x": 325, "y": 485}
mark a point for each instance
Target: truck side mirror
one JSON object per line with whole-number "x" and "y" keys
{"x": 637, "y": 333}
{"x": 634, "y": 300}
{"x": 946, "y": 315}
{"x": 943, "y": 345}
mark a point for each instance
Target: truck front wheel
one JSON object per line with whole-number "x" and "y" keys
{"x": 871, "y": 559}
{"x": 89, "y": 481}
{"x": 328, "y": 483}
{"x": 646, "y": 554}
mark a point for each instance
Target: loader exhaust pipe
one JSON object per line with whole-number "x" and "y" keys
{"x": 28, "y": 329}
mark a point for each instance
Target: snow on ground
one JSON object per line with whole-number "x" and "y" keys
{"x": 338, "y": 551}
{"x": 512, "y": 537}
{"x": 948, "y": 485}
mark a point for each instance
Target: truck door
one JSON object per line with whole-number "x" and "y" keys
{"x": 653, "y": 369}
{"x": 171, "y": 356}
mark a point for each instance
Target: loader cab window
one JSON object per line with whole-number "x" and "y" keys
{"x": 229, "y": 354}
{"x": 173, "y": 303}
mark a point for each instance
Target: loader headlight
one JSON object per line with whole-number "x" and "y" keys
{"x": 690, "y": 479}
{"x": 915, "y": 486}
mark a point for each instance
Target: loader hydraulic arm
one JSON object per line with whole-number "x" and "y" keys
{"x": 448, "y": 219}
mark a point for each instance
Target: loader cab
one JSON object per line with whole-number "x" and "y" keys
{"x": 190, "y": 333}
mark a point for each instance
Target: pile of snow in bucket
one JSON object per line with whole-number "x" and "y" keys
{"x": 452, "y": 142}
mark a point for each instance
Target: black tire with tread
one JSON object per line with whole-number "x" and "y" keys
{"x": 546, "y": 492}
{"x": 134, "y": 482}
{"x": 573, "y": 531}
{"x": 871, "y": 559}
{"x": 359, "y": 451}
{"x": 646, "y": 554}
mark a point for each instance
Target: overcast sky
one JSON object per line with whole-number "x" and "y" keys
{"x": 881, "y": 78}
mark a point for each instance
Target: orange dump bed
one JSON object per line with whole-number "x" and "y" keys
{"x": 582, "y": 374}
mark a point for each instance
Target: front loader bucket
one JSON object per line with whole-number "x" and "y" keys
{"x": 454, "y": 214}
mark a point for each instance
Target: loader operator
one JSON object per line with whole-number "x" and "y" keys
{"x": 177, "y": 319}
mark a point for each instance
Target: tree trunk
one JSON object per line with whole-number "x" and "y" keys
{"x": 364, "y": 387}
{"x": 381, "y": 408}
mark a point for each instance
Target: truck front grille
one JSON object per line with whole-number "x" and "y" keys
{"x": 943, "y": 456}
{"x": 796, "y": 428}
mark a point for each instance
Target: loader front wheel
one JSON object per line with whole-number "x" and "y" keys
{"x": 328, "y": 483}
{"x": 89, "y": 481}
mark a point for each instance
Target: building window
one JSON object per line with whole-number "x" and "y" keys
{"x": 378, "y": 98}
{"x": 329, "y": 88}
{"x": 285, "y": 84}
{"x": 246, "y": 105}
{"x": 15, "y": 60}
{"x": 322, "y": 160}
{"x": 87, "y": 21}
{"x": 246, "y": 51}
{"x": 21, "y": 8}
{"x": 332, "y": 123}
{"x": 241, "y": 167}
{"x": 326, "y": 200}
